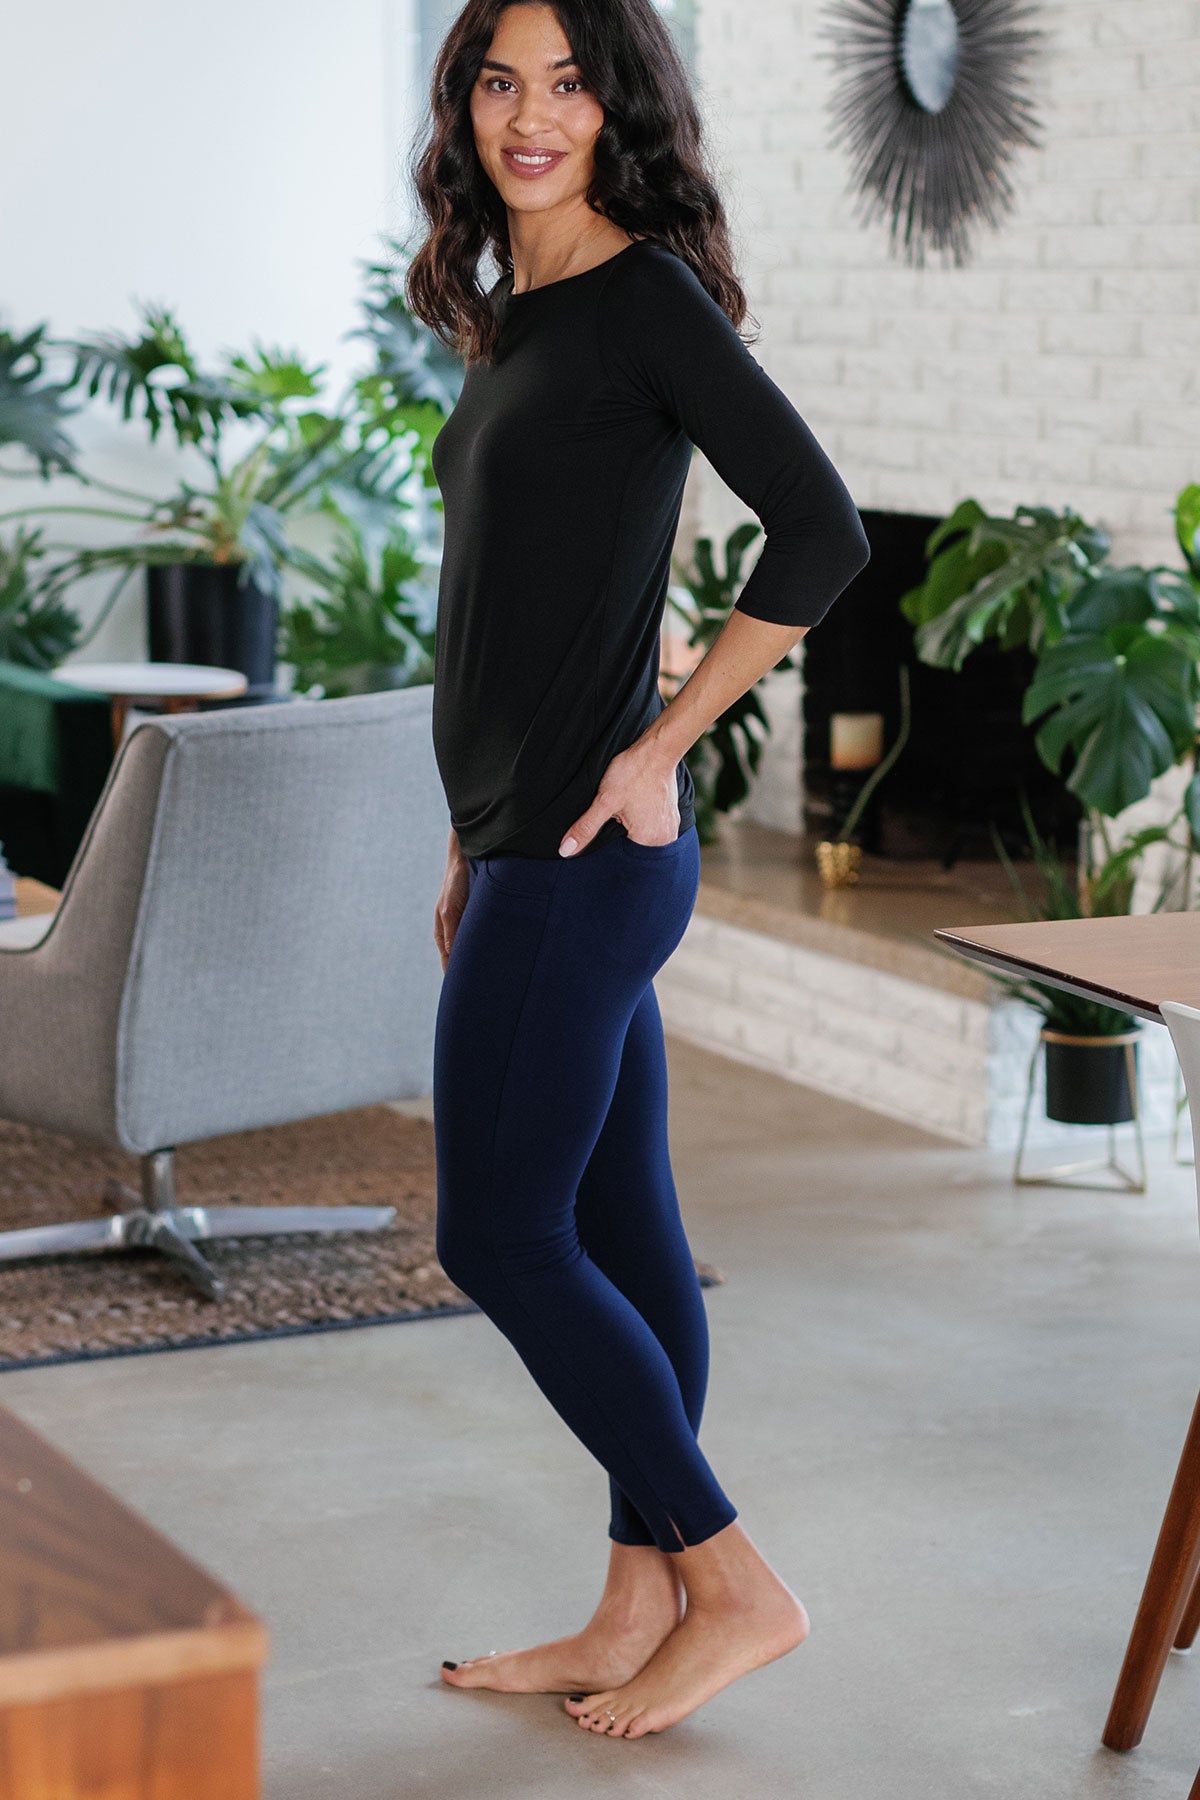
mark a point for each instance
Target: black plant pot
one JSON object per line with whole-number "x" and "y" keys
{"x": 1087, "y": 1078}
{"x": 197, "y": 613}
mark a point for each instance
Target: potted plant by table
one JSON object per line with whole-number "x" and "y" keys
{"x": 1091, "y": 1062}
{"x": 1090, "y": 1048}
{"x": 1087, "y": 1066}
{"x": 1114, "y": 694}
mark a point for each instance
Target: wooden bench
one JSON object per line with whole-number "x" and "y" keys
{"x": 126, "y": 1671}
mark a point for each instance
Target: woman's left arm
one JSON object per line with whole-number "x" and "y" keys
{"x": 639, "y": 785}
{"x": 666, "y": 343}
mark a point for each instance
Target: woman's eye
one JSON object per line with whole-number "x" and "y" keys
{"x": 572, "y": 81}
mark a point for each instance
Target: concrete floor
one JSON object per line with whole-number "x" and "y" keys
{"x": 948, "y": 1410}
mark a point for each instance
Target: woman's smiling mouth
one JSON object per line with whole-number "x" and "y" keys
{"x": 531, "y": 162}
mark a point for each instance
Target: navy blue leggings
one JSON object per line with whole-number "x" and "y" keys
{"x": 557, "y": 1210}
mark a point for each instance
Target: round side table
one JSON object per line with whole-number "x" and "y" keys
{"x": 180, "y": 686}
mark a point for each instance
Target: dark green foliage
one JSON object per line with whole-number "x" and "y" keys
{"x": 1009, "y": 579}
{"x": 127, "y": 371}
{"x": 1103, "y": 891}
{"x": 724, "y": 759}
{"x": 365, "y": 631}
{"x": 1187, "y": 527}
{"x": 416, "y": 376}
{"x": 37, "y": 627}
{"x": 361, "y": 459}
{"x": 1117, "y": 679}
{"x": 31, "y": 408}
{"x": 1121, "y": 685}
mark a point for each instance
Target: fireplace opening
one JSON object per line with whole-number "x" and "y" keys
{"x": 968, "y": 756}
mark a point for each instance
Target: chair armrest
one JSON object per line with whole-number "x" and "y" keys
{"x": 58, "y": 1038}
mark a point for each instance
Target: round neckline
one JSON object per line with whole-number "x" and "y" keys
{"x": 544, "y": 287}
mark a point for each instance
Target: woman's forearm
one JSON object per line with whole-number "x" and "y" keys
{"x": 746, "y": 649}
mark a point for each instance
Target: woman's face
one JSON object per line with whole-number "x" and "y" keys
{"x": 530, "y": 101}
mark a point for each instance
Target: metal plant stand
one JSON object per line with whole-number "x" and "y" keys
{"x": 154, "y": 1221}
{"x": 1060, "y": 1174}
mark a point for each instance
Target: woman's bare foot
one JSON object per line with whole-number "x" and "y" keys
{"x": 640, "y": 1607}
{"x": 740, "y": 1615}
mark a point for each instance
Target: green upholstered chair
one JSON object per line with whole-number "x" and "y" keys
{"x": 55, "y": 753}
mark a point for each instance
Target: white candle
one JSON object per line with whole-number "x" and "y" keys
{"x": 855, "y": 740}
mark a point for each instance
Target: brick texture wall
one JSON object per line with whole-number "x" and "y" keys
{"x": 1062, "y": 365}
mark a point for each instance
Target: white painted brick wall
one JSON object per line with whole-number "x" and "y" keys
{"x": 1061, "y": 366}
{"x": 903, "y": 1049}
{"x": 1064, "y": 364}
{"x": 774, "y": 799}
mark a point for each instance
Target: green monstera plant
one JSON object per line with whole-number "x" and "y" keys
{"x": 1008, "y": 579}
{"x": 1117, "y": 677}
{"x": 1120, "y": 687}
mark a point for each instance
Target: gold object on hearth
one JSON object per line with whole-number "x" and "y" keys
{"x": 839, "y": 863}
{"x": 839, "y": 860}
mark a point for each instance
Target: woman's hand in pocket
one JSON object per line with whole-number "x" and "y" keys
{"x": 451, "y": 901}
{"x": 641, "y": 789}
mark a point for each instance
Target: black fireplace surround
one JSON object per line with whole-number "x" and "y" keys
{"x": 968, "y": 755}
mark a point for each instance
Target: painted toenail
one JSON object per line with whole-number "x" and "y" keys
{"x": 447, "y": 1665}
{"x": 575, "y": 1697}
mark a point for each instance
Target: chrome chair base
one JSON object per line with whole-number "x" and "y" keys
{"x": 154, "y": 1221}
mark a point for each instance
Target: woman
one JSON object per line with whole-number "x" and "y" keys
{"x": 565, "y": 140}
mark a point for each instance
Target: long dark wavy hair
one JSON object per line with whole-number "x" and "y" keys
{"x": 651, "y": 176}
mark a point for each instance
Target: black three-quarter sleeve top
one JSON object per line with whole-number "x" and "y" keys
{"x": 562, "y": 470}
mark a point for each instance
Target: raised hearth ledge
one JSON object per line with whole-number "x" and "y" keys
{"x": 838, "y": 991}
{"x": 896, "y": 955}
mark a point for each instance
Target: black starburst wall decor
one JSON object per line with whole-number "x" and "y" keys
{"x": 932, "y": 104}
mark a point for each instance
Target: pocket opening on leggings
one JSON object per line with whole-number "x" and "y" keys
{"x": 524, "y": 877}
{"x": 637, "y": 849}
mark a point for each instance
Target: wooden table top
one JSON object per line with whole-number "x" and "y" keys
{"x": 1133, "y": 961}
{"x": 91, "y": 1595}
{"x": 34, "y": 898}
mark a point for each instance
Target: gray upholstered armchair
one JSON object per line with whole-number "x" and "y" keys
{"x": 245, "y": 937}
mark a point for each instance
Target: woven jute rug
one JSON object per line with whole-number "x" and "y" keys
{"x": 114, "y": 1303}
